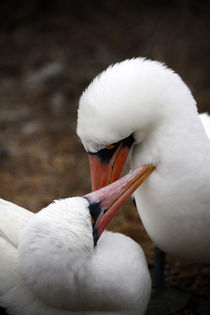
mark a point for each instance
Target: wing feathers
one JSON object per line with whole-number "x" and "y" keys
{"x": 12, "y": 220}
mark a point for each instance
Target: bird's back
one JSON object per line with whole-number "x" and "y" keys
{"x": 13, "y": 219}
{"x": 15, "y": 294}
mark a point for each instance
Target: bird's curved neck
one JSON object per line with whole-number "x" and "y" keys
{"x": 173, "y": 138}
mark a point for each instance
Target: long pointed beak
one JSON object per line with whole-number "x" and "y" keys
{"x": 105, "y": 172}
{"x": 105, "y": 202}
{"x": 106, "y": 165}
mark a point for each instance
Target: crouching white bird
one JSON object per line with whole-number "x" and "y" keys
{"x": 142, "y": 104}
{"x": 49, "y": 264}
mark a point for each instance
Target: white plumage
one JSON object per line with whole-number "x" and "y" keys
{"x": 146, "y": 99}
{"x": 49, "y": 264}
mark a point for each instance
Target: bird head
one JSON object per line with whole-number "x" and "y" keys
{"x": 133, "y": 102}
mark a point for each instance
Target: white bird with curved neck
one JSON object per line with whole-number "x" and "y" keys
{"x": 143, "y": 105}
{"x": 50, "y": 263}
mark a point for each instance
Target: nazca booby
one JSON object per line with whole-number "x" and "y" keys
{"x": 143, "y": 105}
{"x": 49, "y": 264}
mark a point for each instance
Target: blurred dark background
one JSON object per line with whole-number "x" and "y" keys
{"x": 49, "y": 52}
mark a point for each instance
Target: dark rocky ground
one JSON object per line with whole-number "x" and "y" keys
{"x": 49, "y": 54}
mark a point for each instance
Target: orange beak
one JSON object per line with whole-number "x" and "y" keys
{"x": 106, "y": 165}
{"x": 105, "y": 202}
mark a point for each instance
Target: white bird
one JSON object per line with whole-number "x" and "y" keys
{"x": 143, "y": 104}
{"x": 49, "y": 264}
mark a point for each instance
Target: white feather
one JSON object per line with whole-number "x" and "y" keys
{"x": 13, "y": 219}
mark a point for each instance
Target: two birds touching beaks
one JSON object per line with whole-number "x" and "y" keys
{"x": 54, "y": 262}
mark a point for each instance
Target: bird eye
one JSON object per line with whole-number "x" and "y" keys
{"x": 110, "y": 147}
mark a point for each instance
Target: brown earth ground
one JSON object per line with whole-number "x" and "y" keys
{"x": 48, "y": 56}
